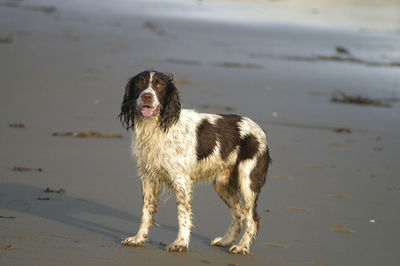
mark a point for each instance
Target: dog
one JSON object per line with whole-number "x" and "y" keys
{"x": 178, "y": 147}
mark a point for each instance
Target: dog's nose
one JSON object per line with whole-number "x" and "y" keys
{"x": 147, "y": 98}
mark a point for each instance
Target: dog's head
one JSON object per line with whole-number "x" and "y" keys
{"x": 150, "y": 95}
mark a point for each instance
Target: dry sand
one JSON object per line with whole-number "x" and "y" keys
{"x": 330, "y": 199}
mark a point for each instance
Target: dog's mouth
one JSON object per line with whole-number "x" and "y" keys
{"x": 148, "y": 111}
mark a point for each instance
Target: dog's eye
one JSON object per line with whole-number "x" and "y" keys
{"x": 140, "y": 83}
{"x": 158, "y": 84}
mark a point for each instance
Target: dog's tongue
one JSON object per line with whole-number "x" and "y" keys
{"x": 148, "y": 111}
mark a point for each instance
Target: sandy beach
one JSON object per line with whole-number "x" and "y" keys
{"x": 327, "y": 94}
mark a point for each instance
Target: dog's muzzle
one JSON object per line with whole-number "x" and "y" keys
{"x": 148, "y": 111}
{"x": 146, "y": 107}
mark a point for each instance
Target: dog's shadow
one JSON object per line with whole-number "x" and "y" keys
{"x": 66, "y": 209}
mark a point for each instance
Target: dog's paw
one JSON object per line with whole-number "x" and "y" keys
{"x": 235, "y": 249}
{"x": 136, "y": 241}
{"x": 221, "y": 242}
{"x": 178, "y": 246}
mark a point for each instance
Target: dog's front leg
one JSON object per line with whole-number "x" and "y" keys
{"x": 184, "y": 196}
{"x": 151, "y": 191}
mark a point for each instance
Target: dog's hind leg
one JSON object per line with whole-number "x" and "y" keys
{"x": 151, "y": 191}
{"x": 229, "y": 194}
{"x": 251, "y": 178}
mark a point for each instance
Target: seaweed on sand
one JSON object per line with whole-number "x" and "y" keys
{"x": 342, "y": 97}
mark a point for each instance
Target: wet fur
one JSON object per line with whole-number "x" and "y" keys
{"x": 180, "y": 147}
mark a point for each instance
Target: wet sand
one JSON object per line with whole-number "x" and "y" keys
{"x": 332, "y": 194}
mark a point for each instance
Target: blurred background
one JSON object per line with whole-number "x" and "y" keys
{"x": 321, "y": 77}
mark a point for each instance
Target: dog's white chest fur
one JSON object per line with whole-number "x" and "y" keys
{"x": 170, "y": 153}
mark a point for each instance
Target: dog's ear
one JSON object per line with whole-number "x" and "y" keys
{"x": 171, "y": 109}
{"x": 128, "y": 107}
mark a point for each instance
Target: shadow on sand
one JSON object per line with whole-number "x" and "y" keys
{"x": 66, "y": 209}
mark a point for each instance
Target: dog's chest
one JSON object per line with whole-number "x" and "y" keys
{"x": 169, "y": 152}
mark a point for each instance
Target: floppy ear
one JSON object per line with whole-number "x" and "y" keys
{"x": 128, "y": 107}
{"x": 171, "y": 110}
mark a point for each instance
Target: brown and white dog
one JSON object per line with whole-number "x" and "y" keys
{"x": 179, "y": 147}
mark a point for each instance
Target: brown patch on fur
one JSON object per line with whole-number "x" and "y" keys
{"x": 137, "y": 84}
{"x": 228, "y": 134}
{"x": 258, "y": 178}
{"x": 248, "y": 147}
{"x": 133, "y": 88}
{"x": 256, "y": 217}
{"x": 169, "y": 98}
{"x": 233, "y": 178}
{"x": 206, "y": 139}
{"x": 259, "y": 172}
